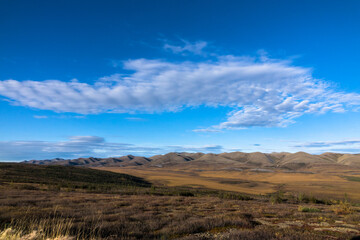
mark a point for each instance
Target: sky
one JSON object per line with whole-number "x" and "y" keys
{"x": 111, "y": 78}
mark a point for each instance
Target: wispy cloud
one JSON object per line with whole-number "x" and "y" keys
{"x": 86, "y": 146}
{"x": 262, "y": 92}
{"x": 59, "y": 116}
{"x": 344, "y": 146}
{"x": 327, "y": 144}
{"x": 135, "y": 119}
{"x": 204, "y": 149}
{"x": 40, "y": 117}
{"x": 95, "y": 146}
{"x": 76, "y": 146}
{"x": 346, "y": 150}
{"x": 115, "y": 63}
{"x": 187, "y": 47}
{"x": 206, "y": 130}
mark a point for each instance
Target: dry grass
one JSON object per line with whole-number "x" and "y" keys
{"x": 327, "y": 185}
{"x": 33, "y": 229}
{"x": 112, "y": 216}
{"x": 36, "y": 210}
{"x": 174, "y": 178}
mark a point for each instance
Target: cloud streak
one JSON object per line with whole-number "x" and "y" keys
{"x": 40, "y": 117}
{"x": 95, "y": 146}
{"x": 263, "y": 93}
{"x": 344, "y": 146}
{"x": 206, "y": 130}
{"x": 194, "y": 48}
{"x": 86, "y": 146}
{"x": 205, "y": 149}
{"x": 327, "y": 144}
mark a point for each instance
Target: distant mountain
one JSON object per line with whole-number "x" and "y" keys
{"x": 174, "y": 158}
{"x": 350, "y": 160}
{"x": 256, "y": 158}
{"x": 123, "y": 161}
{"x": 284, "y": 160}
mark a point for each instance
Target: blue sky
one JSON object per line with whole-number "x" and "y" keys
{"x": 110, "y": 78}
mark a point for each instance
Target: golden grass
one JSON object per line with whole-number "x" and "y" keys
{"x": 322, "y": 184}
{"x": 36, "y": 214}
{"x": 45, "y": 229}
{"x": 317, "y": 183}
{"x": 182, "y": 178}
{"x": 32, "y": 212}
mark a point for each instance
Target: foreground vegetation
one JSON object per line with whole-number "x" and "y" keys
{"x": 37, "y": 202}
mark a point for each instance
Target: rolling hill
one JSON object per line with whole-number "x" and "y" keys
{"x": 66, "y": 176}
{"x": 123, "y": 161}
{"x": 293, "y": 161}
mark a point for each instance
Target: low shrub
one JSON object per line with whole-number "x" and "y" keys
{"x": 277, "y": 197}
{"x": 308, "y": 209}
{"x": 303, "y": 198}
{"x": 344, "y": 207}
{"x": 234, "y": 196}
{"x": 186, "y": 194}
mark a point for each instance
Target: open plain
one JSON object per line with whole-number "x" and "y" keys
{"x": 334, "y": 183}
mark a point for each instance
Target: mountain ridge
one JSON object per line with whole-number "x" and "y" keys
{"x": 285, "y": 160}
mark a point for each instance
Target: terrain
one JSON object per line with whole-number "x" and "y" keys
{"x": 329, "y": 174}
{"x": 66, "y": 202}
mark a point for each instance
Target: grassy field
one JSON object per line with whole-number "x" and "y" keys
{"x": 72, "y": 177}
{"x": 38, "y": 202}
{"x": 321, "y": 184}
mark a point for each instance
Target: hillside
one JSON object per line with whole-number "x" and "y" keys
{"x": 123, "y": 161}
{"x": 173, "y": 158}
{"x": 256, "y": 158}
{"x": 182, "y": 203}
{"x": 292, "y": 161}
{"x": 65, "y": 176}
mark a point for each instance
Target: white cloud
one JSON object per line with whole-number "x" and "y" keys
{"x": 262, "y": 93}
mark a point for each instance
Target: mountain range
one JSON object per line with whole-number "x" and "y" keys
{"x": 285, "y": 160}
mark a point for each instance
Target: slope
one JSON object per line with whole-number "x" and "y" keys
{"x": 65, "y": 175}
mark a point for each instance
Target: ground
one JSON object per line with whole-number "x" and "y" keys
{"x": 34, "y": 208}
{"x": 333, "y": 183}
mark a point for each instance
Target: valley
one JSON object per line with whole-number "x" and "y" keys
{"x": 326, "y": 175}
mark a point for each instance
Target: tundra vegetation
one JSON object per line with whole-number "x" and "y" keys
{"x": 62, "y": 202}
